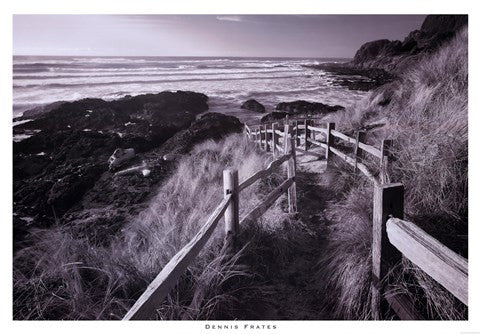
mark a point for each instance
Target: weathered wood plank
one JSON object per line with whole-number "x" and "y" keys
{"x": 357, "y": 151}
{"x": 230, "y": 187}
{"x": 316, "y": 129}
{"x": 264, "y": 172}
{"x": 145, "y": 307}
{"x": 361, "y": 167}
{"x": 248, "y": 129}
{"x": 289, "y": 148}
{"x": 295, "y": 130}
{"x": 268, "y": 201}
{"x": 370, "y": 149}
{"x": 384, "y": 161}
{"x": 307, "y": 134}
{"x": 274, "y": 140}
{"x": 318, "y": 143}
{"x": 387, "y": 200}
{"x": 330, "y": 140}
{"x": 262, "y": 137}
{"x": 342, "y": 136}
{"x": 343, "y": 156}
{"x": 402, "y": 306}
{"x": 445, "y": 266}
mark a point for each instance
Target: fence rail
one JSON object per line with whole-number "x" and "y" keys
{"x": 145, "y": 306}
{"x": 439, "y": 262}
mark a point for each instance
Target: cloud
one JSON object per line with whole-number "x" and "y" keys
{"x": 231, "y": 18}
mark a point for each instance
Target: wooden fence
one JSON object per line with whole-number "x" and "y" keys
{"x": 392, "y": 237}
{"x": 145, "y": 307}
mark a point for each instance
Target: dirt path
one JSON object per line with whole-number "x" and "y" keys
{"x": 295, "y": 286}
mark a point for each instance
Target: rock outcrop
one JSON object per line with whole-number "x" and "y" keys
{"x": 301, "y": 107}
{"x": 253, "y": 105}
{"x": 273, "y": 116}
{"x": 379, "y": 62}
{"x": 61, "y": 173}
{"x": 395, "y": 56}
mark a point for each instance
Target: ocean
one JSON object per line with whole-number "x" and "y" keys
{"x": 39, "y": 80}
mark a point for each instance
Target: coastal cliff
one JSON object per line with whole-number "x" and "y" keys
{"x": 382, "y": 61}
{"x": 395, "y": 56}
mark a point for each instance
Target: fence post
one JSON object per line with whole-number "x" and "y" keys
{"x": 387, "y": 201}
{"x": 262, "y": 137}
{"x": 386, "y": 149}
{"x": 329, "y": 137}
{"x": 359, "y": 152}
{"x": 289, "y": 147}
{"x": 232, "y": 219}
{"x": 267, "y": 139}
{"x": 297, "y": 137}
{"x": 274, "y": 139}
{"x": 307, "y": 134}
{"x": 313, "y": 134}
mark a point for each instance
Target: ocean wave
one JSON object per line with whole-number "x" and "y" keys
{"x": 58, "y": 85}
{"x": 156, "y": 74}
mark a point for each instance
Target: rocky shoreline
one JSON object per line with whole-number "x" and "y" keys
{"x": 64, "y": 171}
{"x": 61, "y": 173}
{"x": 355, "y": 78}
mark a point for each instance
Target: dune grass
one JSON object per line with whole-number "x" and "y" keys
{"x": 62, "y": 275}
{"x": 425, "y": 112}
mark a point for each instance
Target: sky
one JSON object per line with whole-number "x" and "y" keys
{"x": 205, "y": 35}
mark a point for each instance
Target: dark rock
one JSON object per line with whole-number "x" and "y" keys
{"x": 116, "y": 199}
{"x": 209, "y": 126}
{"x": 355, "y": 78}
{"x": 380, "y": 48}
{"x": 274, "y": 116}
{"x": 61, "y": 173}
{"x": 379, "y": 62}
{"x": 41, "y": 110}
{"x": 71, "y": 186}
{"x": 390, "y": 55}
{"x": 443, "y": 23}
{"x": 253, "y": 105}
{"x": 307, "y": 108}
{"x": 60, "y": 165}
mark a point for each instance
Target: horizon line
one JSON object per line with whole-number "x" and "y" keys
{"x": 157, "y": 56}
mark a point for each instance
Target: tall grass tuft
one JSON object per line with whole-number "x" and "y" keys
{"x": 425, "y": 112}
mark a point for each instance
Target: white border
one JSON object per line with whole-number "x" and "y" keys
{"x": 237, "y": 7}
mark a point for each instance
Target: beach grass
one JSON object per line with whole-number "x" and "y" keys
{"x": 425, "y": 113}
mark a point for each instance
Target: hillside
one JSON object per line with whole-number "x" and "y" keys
{"x": 382, "y": 61}
{"x": 425, "y": 112}
{"x": 397, "y": 56}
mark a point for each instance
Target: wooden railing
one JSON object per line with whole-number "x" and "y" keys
{"x": 392, "y": 237}
{"x": 267, "y": 136}
{"x": 442, "y": 264}
{"x": 146, "y": 306}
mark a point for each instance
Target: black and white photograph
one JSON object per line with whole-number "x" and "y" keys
{"x": 239, "y": 171}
